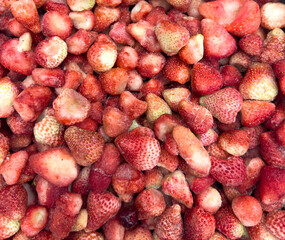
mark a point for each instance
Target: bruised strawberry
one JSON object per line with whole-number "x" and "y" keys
{"x": 229, "y": 172}
{"x": 8, "y": 227}
{"x": 55, "y": 165}
{"x": 171, "y": 37}
{"x": 169, "y": 224}
{"x": 223, "y": 104}
{"x": 274, "y": 222}
{"x": 86, "y": 146}
{"x": 175, "y": 185}
{"x": 13, "y": 203}
{"x": 101, "y": 207}
{"x": 198, "y": 224}
{"x": 197, "y": 117}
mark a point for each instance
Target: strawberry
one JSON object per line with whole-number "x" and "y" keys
{"x": 235, "y": 142}
{"x": 208, "y": 137}
{"x": 52, "y": 165}
{"x": 176, "y": 70}
{"x": 171, "y": 37}
{"x": 8, "y": 227}
{"x": 48, "y": 77}
{"x": 174, "y": 95}
{"x": 192, "y": 150}
{"x": 50, "y": 52}
{"x": 127, "y": 58}
{"x": 104, "y": 17}
{"x": 279, "y": 68}
{"x": 123, "y": 35}
{"x": 251, "y": 44}
{"x": 70, "y": 107}
{"x": 80, "y": 5}
{"x": 210, "y": 200}
{"x": 218, "y": 236}
{"x": 247, "y": 209}
{"x": 216, "y": 151}
{"x": 17, "y": 197}
{"x": 280, "y": 133}
{"x": 260, "y": 232}
{"x": 274, "y": 44}
{"x": 240, "y": 60}
{"x": 4, "y": 147}
{"x": 149, "y": 203}
{"x": 274, "y": 222}
{"x": 199, "y": 185}
{"x": 86, "y": 146}
{"x": 51, "y": 5}
{"x": 153, "y": 178}
{"x": 259, "y": 83}
{"x": 218, "y": 43}
{"x": 26, "y": 13}
{"x": 113, "y": 230}
{"x": 272, "y": 185}
{"x": 140, "y": 232}
{"x": 34, "y": 220}
{"x": 181, "y": 5}
{"x": 175, "y": 185}
{"x": 81, "y": 183}
{"x": 198, "y": 118}
{"x": 82, "y": 235}
{"x": 12, "y": 167}
{"x": 277, "y": 117}
{"x": 205, "y": 79}
{"x": 168, "y": 161}
{"x": 169, "y": 224}
{"x": 272, "y": 153}
{"x": 269, "y": 20}
{"x": 198, "y": 224}
{"x": 140, "y": 10}
{"x": 223, "y": 104}
{"x": 101, "y": 207}
{"x": 229, "y": 172}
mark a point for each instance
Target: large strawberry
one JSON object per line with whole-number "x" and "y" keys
{"x": 8, "y": 227}
{"x": 274, "y": 222}
{"x": 140, "y": 150}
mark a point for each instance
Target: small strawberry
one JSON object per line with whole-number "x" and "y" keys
{"x": 259, "y": 83}
{"x": 205, "y": 79}
{"x": 198, "y": 224}
{"x": 277, "y": 117}
{"x": 113, "y": 230}
{"x": 192, "y": 150}
{"x": 169, "y": 224}
{"x": 17, "y": 198}
{"x": 121, "y": 34}
{"x": 230, "y": 172}
{"x": 101, "y": 207}
{"x": 198, "y": 118}
{"x": 55, "y": 165}
{"x": 8, "y": 227}
{"x": 228, "y": 224}
{"x": 274, "y": 222}
{"x": 218, "y": 236}
{"x": 251, "y": 44}
{"x": 127, "y": 58}
{"x": 140, "y": 232}
{"x": 171, "y": 37}
{"x": 223, "y": 104}
{"x": 175, "y": 185}
{"x": 218, "y": 43}
{"x": 51, "y": 5}
{"x": 269, "y": 20}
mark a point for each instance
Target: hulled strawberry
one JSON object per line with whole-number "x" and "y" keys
{"x": 251, "y": 44}
{"x": 223, "y": 104}
{"x": 4, "y": 147}
{"x": 274, "y": 222}
{"x": 80, "y": 5}
{"x": 140, "y": 232}
{"x": 104, "y": 17}
{"x": 173, "y": 96}
{"x": 260, "y": 232}
{"x": 8, "y": 227}
{"x": 269, "y": 20}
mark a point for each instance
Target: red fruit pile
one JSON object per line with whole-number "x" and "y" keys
{"x": 142, "y": 120}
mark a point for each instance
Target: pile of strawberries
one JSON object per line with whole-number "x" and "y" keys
{"x": 136, "y": 120}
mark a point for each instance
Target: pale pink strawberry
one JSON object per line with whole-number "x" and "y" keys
{"x": 274, "y": 222}
{"x": 229, "y": 172}
{"x": 13, "y": 201}
{"x": 153, "y": 178}
{"x": 228, "y": 224}
{"x": 169, "y": 224}
{"x": 223, "y": 104}
{"x": 101, "y": 207}
{"x": 192, "y": 150}
{"x": 218, "y": 236}
{"x": 209, "y": 137}
{"x": 198, "y": 224}
{"x": 171, "y": 37}
{"x": 276, "y": 20}
{"x": 82, "y": 235}
{"x": 181, "y": 5}
{"x": 260, "y": 232}
{"x": 55, "y": 165}
{"x": 259, "y": 83}
{"x": 140, "y": 232}
{"x": 113, "y": 230}
{"x": 175, "y": 185}
{"x": 83, "y": 19}
{"x": 198, "y": 118}
{"x": 8, "y": 227}
{"x": 78, "y": 6}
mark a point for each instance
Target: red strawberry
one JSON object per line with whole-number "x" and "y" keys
{"x": 4, "y": 147}
{"x": 26, "y": 13}
{"x": 279, "y": 68}
{"x": 55, "y": 165}
{"x": 198, "y": 224}
{"x": 113, "y": 230}
{"x": 199, "y": 185}
{"x": 276, "y": 20}
{"x": 272, "y": 153}
{"x": 8, "y": 227}
{"x": 82, "y": 235}
{"x": 197, "y": 117}
{"x": 208, "y": 137}
{"x": 149, "y": 203}
{"x": 230, "y": 172}
{"x": 101, "y": 207}
{"x": 260, "y": 232}
{"x": 218, "y": 43}
{"x": 127, "y": 58}
{"x": 175, "y": 185}
{"x": 83, "y": 19}
{"x": 11, "y": 169}
{"x": 251, "y": 44}
{"x": 280, "y": 134}
{"x": 85, "y": 146}
{"x": 192, "y": 150}
{"x": 140, "y": 232}
{"x": 169, "y": 224}
{"x": 34, "y": 220}
{"x": 81, "y": 183}
{"x": 48, "y": 77}
{"x": 153, "y": 178}
{"x": 277, "y": 117}
{"x": 104, "y": 17}
{"x": 274, "y": 222}
{"x": 205, "y": 79}
{"x": 171, "y": 37}
{"x": 259, "y": 83}
{"x": 122, "y": 35}
{"x": 168, "y": 161}
{"x": 272, "y": 185}
{"x": 223, "y": 104}
{"x": 13, "y": 201}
